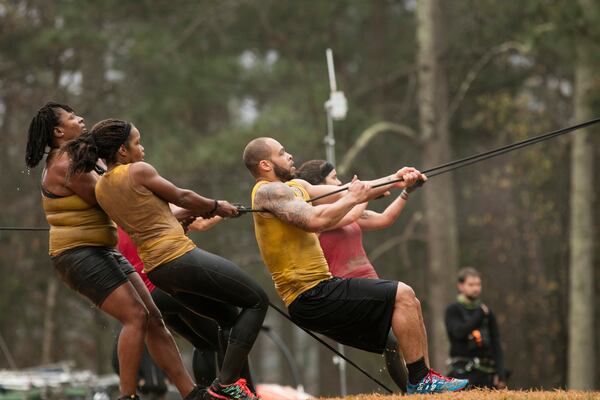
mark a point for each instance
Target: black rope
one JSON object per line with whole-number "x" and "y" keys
{"x": 280, "y": 311}
{"x": 23, "y": 228}
{"x": 431, "y": 172}
{"x": 14, "y": 228}
{"x": 513, "y": 146}
{"x": 463, "y": 162}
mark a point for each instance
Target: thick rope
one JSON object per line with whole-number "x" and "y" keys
{"x": 463, "y": 162}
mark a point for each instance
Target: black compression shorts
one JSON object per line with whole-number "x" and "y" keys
{"x": 93, "y": 271}
{"x": 356, "y": 312}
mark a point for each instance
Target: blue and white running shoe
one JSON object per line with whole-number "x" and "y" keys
{"x": 436, "y": 383}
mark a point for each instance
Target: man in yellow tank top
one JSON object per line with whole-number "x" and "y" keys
{"x": 357, "y": 312}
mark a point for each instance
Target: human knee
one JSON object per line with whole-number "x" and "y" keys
{"x": 405, "y": 296}
{"x": 138, "y": 315}
{"x": 156, "y": 321}
{"x": 263, "y": 301}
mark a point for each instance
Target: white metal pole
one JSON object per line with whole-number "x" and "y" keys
{"x": 330, "y": 155}
{"x": 330, "y": 138}
{"x": 332, "y": 83}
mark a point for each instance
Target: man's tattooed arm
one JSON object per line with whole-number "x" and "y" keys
{"x": 279, "y": 199}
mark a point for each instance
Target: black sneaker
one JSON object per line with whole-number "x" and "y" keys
{"x": 234, "y": 391}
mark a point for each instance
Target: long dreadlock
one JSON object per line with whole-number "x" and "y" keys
{"x": 41, "y": 131}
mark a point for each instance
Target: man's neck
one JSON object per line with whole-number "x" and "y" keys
{"x": 268, "y": 178}
{"x": 468, "y": 302}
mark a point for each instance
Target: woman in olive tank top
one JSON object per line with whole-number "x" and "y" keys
{"x": 137, "y": 198}
{"x": 82, "y": 248}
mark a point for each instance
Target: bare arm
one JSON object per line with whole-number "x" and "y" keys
{"x": 408, "y": 174}
{"x": 145, "y": 175}
{"x": 279, "y": 199}
{"x": 204, "y": 224}
{"x": 353, "y": 215}
{"x": 371, "y": 220}
{"x": 82, "y": 184}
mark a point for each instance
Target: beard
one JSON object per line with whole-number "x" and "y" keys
{"x": 283, "y": 174}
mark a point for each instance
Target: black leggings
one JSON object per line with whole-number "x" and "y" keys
{"x": 203, "y": 333}
{"x": 216, "y": 288}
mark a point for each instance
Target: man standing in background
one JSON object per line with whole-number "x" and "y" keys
{"x": 475, "y": 351}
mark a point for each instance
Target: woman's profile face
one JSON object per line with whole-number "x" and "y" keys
{"x": 134, "y": 146}
{"x": 70, "y": 126}
{"x": 332, "y": 179}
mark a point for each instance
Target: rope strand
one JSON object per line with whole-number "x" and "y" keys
{"x": 463, "y": 162}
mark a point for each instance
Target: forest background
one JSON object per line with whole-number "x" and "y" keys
{"x": 426, "y": 81}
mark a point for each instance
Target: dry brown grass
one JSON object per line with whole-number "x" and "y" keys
{"x": 488, "y": 395}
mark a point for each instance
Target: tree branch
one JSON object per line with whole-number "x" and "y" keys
{"x": 473, "y": 72}
{"x": 368, "y": 134}
{"x": 392, "y": 242}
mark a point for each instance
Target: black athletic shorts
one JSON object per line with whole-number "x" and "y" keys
{"x": 93, "y": 271}
{"x": 356, "y": 312}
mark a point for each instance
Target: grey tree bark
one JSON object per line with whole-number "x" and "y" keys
{"x": 49, "y": 322}
{"x": 439, "y": 195}
{"x": 581, "y": 262}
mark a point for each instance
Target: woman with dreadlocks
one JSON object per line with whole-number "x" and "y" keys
{"x": 82, "y": 243}
{"x": 344, "y": 251}
{"x": 136, "y": 197}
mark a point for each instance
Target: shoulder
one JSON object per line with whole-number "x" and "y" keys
{"x": 273, "y": 190}
{"x": 59, "y": 163}
{"x": 454, "y": 306}
{"x": 300, "y": 182}
{"x": 142, "y": 169}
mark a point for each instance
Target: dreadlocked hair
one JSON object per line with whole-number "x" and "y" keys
{"x": 103, "y": 141}
{"x": 314, "y": 171}
{"x": 40, "y": 133}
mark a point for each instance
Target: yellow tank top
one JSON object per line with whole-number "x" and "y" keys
{"x": 293, "y": 256}
{"x": 147, "y": 219}
{"x": 75, "y": 223}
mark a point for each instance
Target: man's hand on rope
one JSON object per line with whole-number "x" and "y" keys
{"x": 420, "y": 182}
{"x": 409, "y": 177}
{"x": 359, "y": 190}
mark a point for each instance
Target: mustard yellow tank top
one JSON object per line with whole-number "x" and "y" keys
{"x": 146, "y": 218}
{"x": 293, "y": 256}
{"x": 75, "y": 223}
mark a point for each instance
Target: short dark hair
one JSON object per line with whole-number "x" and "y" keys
{"x": 465, "y": 272}
{"x": 256, "y": 151}
{"x": 103, "y": 141}
{"x": 314, "y": 171}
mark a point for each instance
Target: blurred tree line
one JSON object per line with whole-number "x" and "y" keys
{"x": 201, "y": 78}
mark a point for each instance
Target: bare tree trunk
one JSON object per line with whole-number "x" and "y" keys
{"x": 581, "y": 290}
{"x": 439, "y": 195}
{"x": 49, "y": 323}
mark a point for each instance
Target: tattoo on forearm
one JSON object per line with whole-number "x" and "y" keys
{"x": 279, "y": 199}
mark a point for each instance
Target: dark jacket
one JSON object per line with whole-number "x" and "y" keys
{"x": 484, "y": 344}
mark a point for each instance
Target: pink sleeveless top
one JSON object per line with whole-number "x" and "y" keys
{"x": 129, "y": 251}
{"x": 345, "y": 254}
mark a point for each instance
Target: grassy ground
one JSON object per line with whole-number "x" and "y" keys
{"x": 490, "y": 395}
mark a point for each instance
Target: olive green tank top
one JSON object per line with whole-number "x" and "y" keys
{"x": 146, "y": 218}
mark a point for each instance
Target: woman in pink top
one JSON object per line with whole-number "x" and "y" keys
{"x": 203, "y": 333}
{"x": 344, "y": 251}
